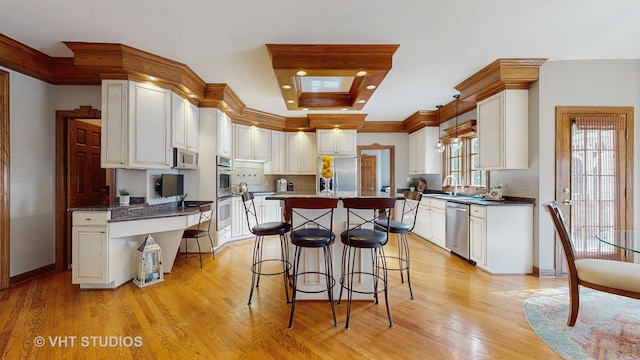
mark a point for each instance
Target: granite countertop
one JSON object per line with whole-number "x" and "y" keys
{"x": 476, "y": 200}
{"x": 146, "y": 211}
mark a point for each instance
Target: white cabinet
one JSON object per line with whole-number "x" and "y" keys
{"x": 430, "y": 223}
{"x": 252, "y": 143}
{"x": 337, "y": 142}
{"x": 300, "y": 153}
{"x": 185, "y": 123}
{"x": 501, "y": 238}
{"x": 278, "y": 148}
{"x": 503, "y": 137}
{"x": 423, "y": 159}
{"x": 266, "y": 210}
{"x": 136, "y": 125}
{"x": 238, "y": 218}
{"x": 224, "y": 136}
{"x": 90, "y": 247}
{"x": 477, "y": 235}
{"x": 437, "y": 220}
{"x": 423, "y": 222}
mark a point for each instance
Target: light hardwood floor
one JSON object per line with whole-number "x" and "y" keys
{"x": 459, "y": 312}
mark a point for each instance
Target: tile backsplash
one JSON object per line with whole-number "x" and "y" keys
{"x": 301, "y": 183}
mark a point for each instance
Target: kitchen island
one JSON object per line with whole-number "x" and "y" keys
{"x": 312, "y": 260}
{"x": 105, "y": 239}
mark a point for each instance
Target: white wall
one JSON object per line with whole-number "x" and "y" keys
{"x": 32, "y": 167}
{"x": 565, "y": 83}
{"x": 69, "y": 97}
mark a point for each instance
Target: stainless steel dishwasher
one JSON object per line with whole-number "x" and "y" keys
{"x": 457, "y": 228}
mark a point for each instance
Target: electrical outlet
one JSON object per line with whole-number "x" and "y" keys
{"x": 526, "y": 186}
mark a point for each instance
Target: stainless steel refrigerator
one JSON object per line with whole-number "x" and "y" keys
{"x": 345, "y": 177}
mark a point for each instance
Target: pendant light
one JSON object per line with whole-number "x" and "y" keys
{"x": 440, "y": 145}
{"x": 456, "y": 143}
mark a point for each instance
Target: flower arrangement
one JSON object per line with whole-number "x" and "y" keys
{"x": 124, "y": 192}
{"x": 124, "y": 199}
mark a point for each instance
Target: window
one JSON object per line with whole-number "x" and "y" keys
{"x": 463, "y": 164}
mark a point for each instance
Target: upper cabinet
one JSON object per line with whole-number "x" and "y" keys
{"x": 503, "y": 139}
{"x": 337, "y": 142}
{"x": 423, "y": 159}
{"x": 185, "y": 119}
{"x": 132, "y": 114}
{"x": 252, "y": 143}
{"x": 224, "y": 135}
{"x": 300, "y": 153}
{"x": 278, "y": 159}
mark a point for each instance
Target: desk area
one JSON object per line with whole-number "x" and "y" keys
{"x": 105, "y": 239}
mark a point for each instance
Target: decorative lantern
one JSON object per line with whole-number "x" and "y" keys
{"x": 148, "y": 263}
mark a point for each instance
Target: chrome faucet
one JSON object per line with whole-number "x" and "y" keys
{"x": 454, "y": 183}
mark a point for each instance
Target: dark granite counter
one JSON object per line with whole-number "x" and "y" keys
{"x": 145, "y": 211}
{"x": 475, "y": 200}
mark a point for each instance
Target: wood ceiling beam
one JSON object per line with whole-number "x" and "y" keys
{"x": 500, "y": 75}
{"x": 341, "y": 121}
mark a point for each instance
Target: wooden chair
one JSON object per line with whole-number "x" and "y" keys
{"x": 615, "y": 277}
{"x": 203, "y": 230}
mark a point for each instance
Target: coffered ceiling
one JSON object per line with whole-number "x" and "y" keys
{"x": 432, "y": 46}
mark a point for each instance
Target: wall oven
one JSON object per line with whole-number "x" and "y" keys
{"x": 223, "y": 175}
{"x": 223, "y": 218}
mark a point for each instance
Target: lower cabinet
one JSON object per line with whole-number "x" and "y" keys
{"x": 90, "y": 248}
{"x": 437, "y": 219}
{"x": 267, "y": 210}
{"x": 431, "y": 221}
{"x": 501, "y": 238}
{"x": 478, "y": 235}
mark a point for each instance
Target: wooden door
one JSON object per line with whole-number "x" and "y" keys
{"x": 594, "y": 151}
{"x": 87, "y": 180}
{"x": 368, "y": 173}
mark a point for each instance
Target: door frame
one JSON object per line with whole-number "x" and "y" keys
{"x": 392, "y": 160}
{"x": 63, "y": 219}
{"x": 5, "y": 194}
{"x": 563, "y": 162}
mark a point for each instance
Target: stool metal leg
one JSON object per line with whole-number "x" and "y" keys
{"x": 385, "y": 284}
{"x": 296, "y": 265}
{"x": 255, "y": 266}
{"x": 284, "y": 255}
{"x": 328, "y": 261}
{"x": 405, "y": 248}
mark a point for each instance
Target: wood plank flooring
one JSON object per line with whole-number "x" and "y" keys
{"x": 459, "y": 312}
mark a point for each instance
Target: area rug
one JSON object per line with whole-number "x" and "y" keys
{"x": 608, "y": 326}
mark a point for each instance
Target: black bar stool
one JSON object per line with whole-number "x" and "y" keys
{"x": 204, "y": 229}
{"x": 373, "y": 237}
{"x": 310, "y": 230}
{"x": 260, "y": 231}
{"x": 401, "y": 229}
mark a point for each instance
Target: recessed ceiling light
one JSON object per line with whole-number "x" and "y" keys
{"x": 305, "y": 109}
{"x": 344, "y": 109}
{"x": 193, "y": 96}
{"x": 152, "y": 78}
{"x": 361, "y": 73}
{"x": 290, "y": 101}
{"x": 301, "y": 73}
{"x": 362, "y": 101}
{"x": 286, "y": 87}
{"x": 371, "y": 87}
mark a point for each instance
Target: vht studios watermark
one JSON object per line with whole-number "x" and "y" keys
{"x": 88, "y": 341}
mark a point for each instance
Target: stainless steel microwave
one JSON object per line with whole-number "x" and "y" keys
{"x": 185, "y": 159}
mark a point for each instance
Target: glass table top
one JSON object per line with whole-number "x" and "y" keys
{"x": 623, "y": 239}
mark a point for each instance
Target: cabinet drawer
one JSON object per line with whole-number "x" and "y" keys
{"x": 478, "y": 211}
{"x": 438, "y": 204}
{"x": 90, "y": 218}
